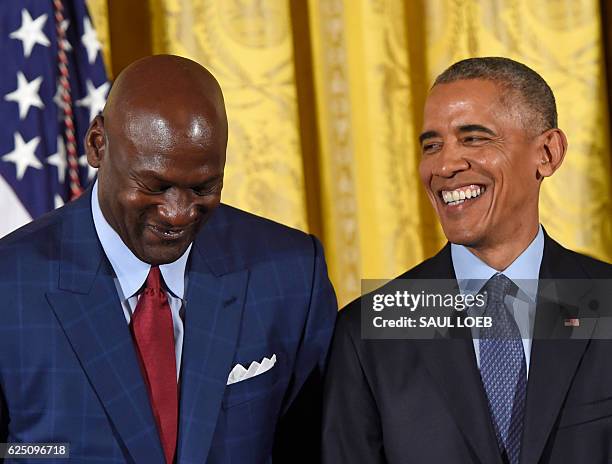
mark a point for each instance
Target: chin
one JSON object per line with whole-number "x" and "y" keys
{"x": 162, "y": 254}
{"x": 465, "y": 237}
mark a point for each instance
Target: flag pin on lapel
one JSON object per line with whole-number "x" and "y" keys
{"x": 572, "y": 322}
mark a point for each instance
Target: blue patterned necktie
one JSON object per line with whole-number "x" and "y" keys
{"x": 503, "y": 369}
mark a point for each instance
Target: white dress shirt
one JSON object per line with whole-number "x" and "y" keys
{"x": 472, "y": 274}
{"x": 131, "y": 274}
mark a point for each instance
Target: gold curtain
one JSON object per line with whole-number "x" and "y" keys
{"x": 325, "y": 103}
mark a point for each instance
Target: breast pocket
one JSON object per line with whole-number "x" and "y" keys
{"x": 587, "y": 412}
{"x": 258, "y": 386}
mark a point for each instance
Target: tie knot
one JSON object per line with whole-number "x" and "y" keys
{"x": 498, "y": 287}
{"x": 154, "y": 278}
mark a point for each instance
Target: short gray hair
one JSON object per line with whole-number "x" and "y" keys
{"x": 520, "y": 80}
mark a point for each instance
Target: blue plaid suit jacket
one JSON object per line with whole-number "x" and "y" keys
{"x": 68, "y": 370}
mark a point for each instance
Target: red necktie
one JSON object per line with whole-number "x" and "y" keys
{"x": 154, "y": 336}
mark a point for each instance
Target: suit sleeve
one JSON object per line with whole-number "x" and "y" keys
{"x": 298, "y": 435}
{"x": 352, "y": 430}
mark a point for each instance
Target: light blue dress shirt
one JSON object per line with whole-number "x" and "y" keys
{"x": 472, "y": 273}
{"x": 131, "y": 274}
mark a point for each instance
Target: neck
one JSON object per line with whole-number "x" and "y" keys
{"x": 501, "y": 255}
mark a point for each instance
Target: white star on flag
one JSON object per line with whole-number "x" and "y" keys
{"x": 90, "y": 41}
{"x": 26, "y": 94}
{"x": 95, "y": 99}
{"x": 31, "y": 32}
{"x": 58, "y": 159}
{"x": 23, "y": 155}
{"x": 35, "y": 174}
{"x": 91, "y": 171}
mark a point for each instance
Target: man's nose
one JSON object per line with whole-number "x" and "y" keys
{"x": 449, "y": 161}
{"x": 178, "y": 209}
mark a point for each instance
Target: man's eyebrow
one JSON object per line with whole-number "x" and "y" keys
{"x": 212, "y": 180}
{"x": 476, "y": 128}
{"x": 428, "y": 135}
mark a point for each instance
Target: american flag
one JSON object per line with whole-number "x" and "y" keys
{"x": 572, "y": 322}
{"x": 52, "y": 84}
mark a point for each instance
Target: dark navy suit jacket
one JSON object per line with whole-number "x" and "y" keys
{"x": 422, "y": 401}
{"x": 68, "y": 369}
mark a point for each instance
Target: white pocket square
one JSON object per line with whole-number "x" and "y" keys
{"x": 239, "y": 373}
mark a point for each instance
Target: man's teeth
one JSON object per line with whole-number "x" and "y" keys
{"x": 170, "y": 233}
{"x": 458, "y": 196}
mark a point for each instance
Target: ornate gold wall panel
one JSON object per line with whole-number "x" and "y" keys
{"x": 337, "y": 159}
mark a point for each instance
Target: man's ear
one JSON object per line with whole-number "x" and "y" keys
{"x": 95, "y": 142}
{"x": 552, "y": 151}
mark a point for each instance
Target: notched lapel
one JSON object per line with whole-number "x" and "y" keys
{"x": 99, "y": 335}
{"x": 452, "y": 364}
{"x": 213, "y": 316}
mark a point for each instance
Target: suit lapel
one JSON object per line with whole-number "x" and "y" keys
{"x": 215, "y": 300}
{"x": 554, "y": 356}
{"x": 87, "y": 306}
{"x": 452, "y": 364}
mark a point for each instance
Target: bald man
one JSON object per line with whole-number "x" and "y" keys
{"x": 146, "y": 322}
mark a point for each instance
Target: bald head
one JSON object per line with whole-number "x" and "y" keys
{"x": 164, "y": 88}
{"x": 168, "y": 74}
{"x": 160, "y": 152}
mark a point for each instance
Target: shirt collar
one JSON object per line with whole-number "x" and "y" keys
{"x": 131, "y": 271}
{"x": 472, "y": 273}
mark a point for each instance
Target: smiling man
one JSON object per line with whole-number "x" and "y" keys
{"x": 534, "y": 387}
{"x": 146, "y": 322}
{"x": 486, "y": 146}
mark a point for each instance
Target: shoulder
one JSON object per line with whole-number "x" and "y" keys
{"x": 437, "y": 267}
{"x": 40, "y": 236}
{"x": 595, "y": 268}
{"x": 31, "y": 255}
{"x": 41, "y": 240}
{"x": 31, "y": 230}
{"x": 248, "y": 239}
{"x": 249, "y": 231}
{"x": 565, "y": 263}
